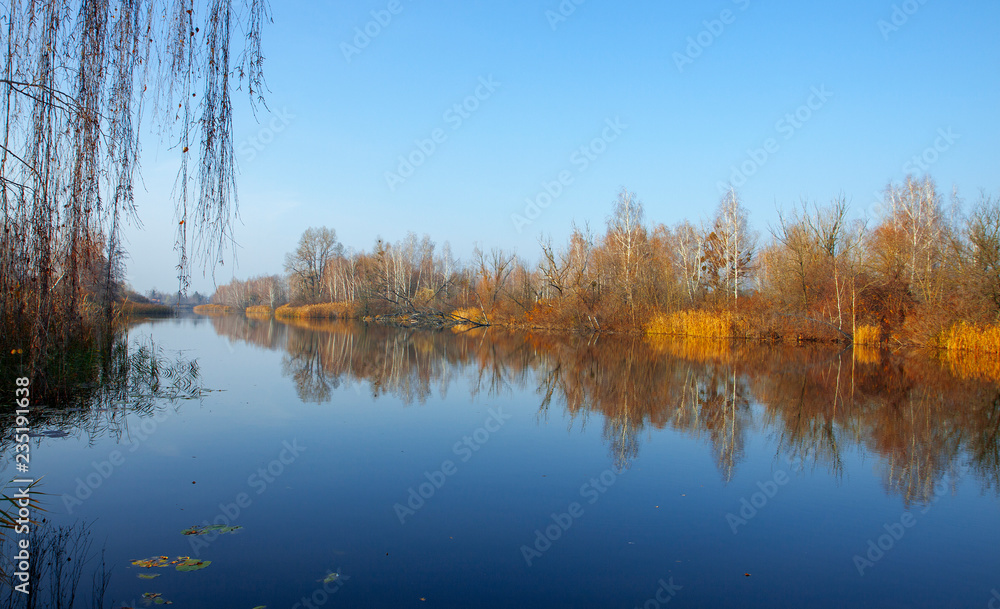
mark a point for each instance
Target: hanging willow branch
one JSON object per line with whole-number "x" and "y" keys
{"x": 75, "y": 79}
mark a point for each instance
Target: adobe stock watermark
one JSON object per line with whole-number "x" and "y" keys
{"x": 454, "y": 117}
{"x": 787, "y": 126}
{"x": 714, "y": 28}
{"x": 922, "y": 162}
{"x": 901, "y": 14}
{"x": 592, "y": 491}
{"x": 265, "y": 135}
{"x": 363, "y": 36}
{"x": 876, "y": 548}
{"x": 102, "y": 470}
{"x": 260, "y": 480}
{"x": 994, "y": 602}
{"x": 664, "y": 594}
{"x": 767, "y": 490}
{"x": 580, "y": 160}
{"x": 322, "y": 595}
{"x": 562, "y": 12}
{"x": 418, "y": 496}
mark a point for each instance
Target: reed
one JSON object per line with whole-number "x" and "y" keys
{"x": 867, "y": 335}
{"x": 215, "y": 309}
{"x": 971, "y": 337}
{"x": 260, "y": 312}
{"x": 702, "y": 324}
{"x": 329, "y": 310}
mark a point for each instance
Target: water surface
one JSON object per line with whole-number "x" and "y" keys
{"x": 491, "y": 469}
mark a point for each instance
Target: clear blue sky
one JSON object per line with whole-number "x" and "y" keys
{"x": 889, "y": 92}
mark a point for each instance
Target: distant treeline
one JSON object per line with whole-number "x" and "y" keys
{"x": 923, "y": 273}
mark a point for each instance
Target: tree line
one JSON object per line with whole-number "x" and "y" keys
{"x": 817, "y": 274}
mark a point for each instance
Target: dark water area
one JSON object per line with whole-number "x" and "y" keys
{"x": 379, "y": 467}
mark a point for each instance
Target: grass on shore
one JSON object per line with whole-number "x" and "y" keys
{"x": 329, "y": 310}
{"x": 971, "y": 337}
{"x": 702, "y": 324}
{"x": 260, "y": 312}
{"x": 971, "y": 350}
{"x": 215, "y": 309}
{"x": 867, "y": 335}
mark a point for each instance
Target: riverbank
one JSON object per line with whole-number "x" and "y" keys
{"x": 724, "y": 325}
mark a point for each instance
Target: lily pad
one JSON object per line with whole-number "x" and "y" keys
{"x": 193, "y": 564}
{"x": 148, "y": 576}
{"x": 330, "y": 578}
{"x": 154, "y": 598}
{"x": 149, "y": 563}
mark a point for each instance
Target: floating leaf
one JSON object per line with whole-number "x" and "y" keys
{"x": 148, "y": 576}
{"x": 192, "y": 564}
{"x": 330, "y": 578}
{"x": 149, "y": 563}
{"x": 260, "y": 607}
{"x": 154, "y": 598}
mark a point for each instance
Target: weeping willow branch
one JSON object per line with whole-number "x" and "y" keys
{"x": 75, "y": 81}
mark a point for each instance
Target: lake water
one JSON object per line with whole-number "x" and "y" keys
{"x": 377, "y": 467}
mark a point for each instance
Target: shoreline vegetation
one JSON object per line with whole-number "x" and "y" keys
{"x": 925, "y": 274}
{"x": 961, "y": 337}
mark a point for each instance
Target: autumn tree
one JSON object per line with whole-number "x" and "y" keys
{"x": 307, "y": 265}
{"x": 494, "y": 268}
{"x": 914, "y": 212}
{"x": 979, "y": 254}
{"x": 689, "y": 250}
{"x": 626, "y": 241}
{"x": 729, "y": 247}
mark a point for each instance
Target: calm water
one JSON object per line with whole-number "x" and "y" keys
{"x": 416, "y": 469}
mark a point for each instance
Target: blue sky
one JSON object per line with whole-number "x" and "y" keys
{"x": 803, "y": 100}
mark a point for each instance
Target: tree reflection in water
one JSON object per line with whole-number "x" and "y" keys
{"x": 924, "y": 418}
